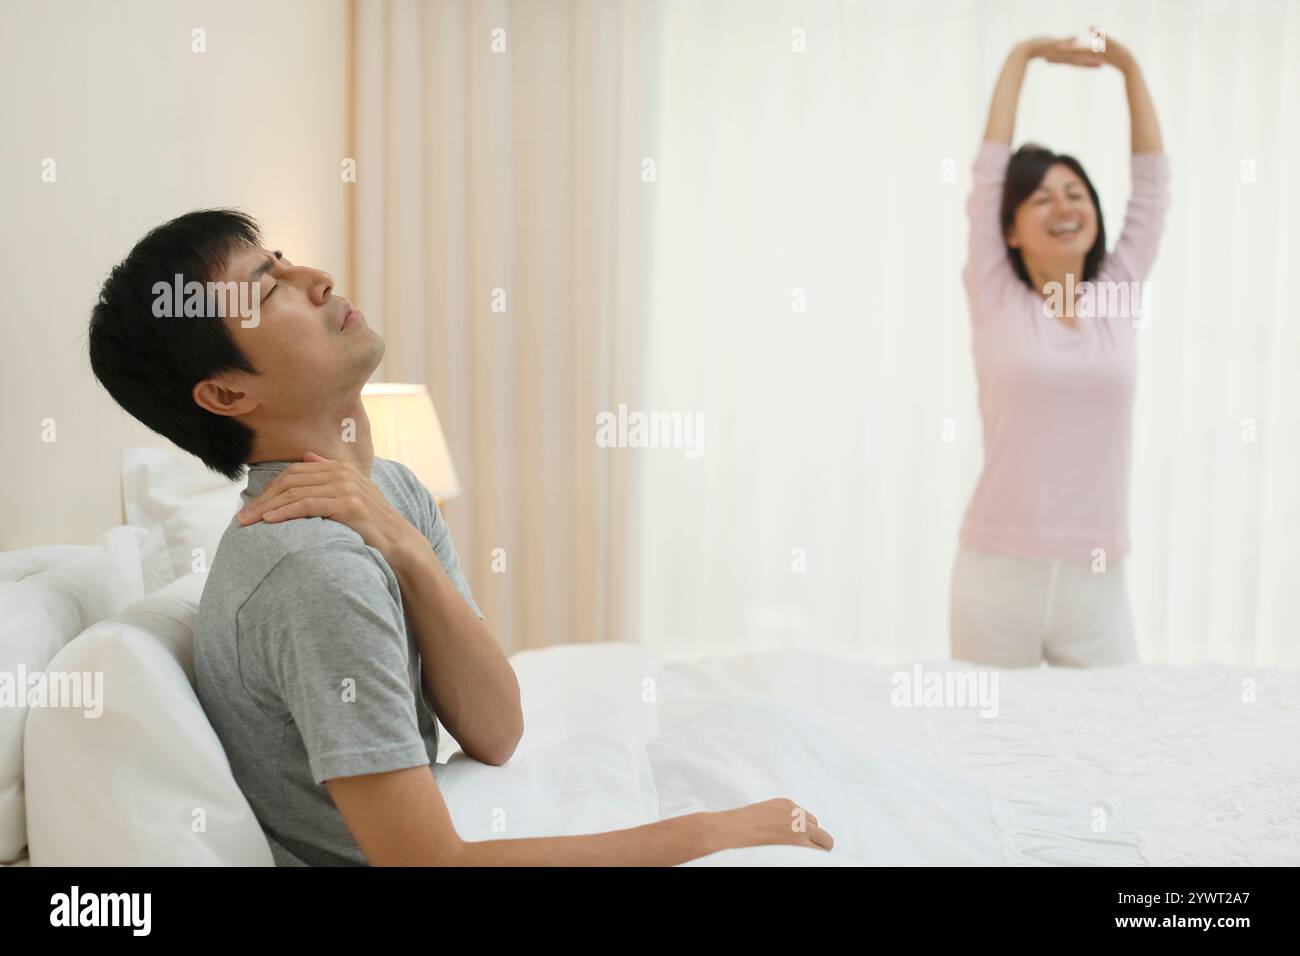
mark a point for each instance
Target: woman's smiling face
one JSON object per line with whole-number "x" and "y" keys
{"x": 1057, "y": 222}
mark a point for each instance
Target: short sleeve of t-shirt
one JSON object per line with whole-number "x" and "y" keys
{"x": 325, "y": 632}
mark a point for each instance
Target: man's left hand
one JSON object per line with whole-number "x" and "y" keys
{"x": 318, "y": 487}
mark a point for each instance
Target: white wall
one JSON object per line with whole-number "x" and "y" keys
{"x": 141, "y": 129}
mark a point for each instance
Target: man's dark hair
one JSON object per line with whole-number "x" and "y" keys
{"x": 1025, "y": 172}
{"x": 150, "y": 364}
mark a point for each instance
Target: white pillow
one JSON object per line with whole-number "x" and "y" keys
{"x": 581, "y": 766}
{"x": 591, "y": 782}
{"x": 568, "y": 689}
{"x": 43, "y": 611}
{"x": 16, "y": 565}
{"x": 182, "y": 504}
{"x": 121, "y": 789}
{"x": 126, "y": 788}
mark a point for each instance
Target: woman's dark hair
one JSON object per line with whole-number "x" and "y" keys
{"x": 150, "y": 364}
{"x": 1029, "y": 164}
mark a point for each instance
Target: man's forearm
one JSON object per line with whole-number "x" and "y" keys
{"x": 473, "y": 686}
{"x": 662, "y": 843}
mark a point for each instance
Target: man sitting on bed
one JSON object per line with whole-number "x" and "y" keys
{"x": 335, "y": 621}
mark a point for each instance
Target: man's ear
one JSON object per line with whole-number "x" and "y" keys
{"x": 222, "y": 398}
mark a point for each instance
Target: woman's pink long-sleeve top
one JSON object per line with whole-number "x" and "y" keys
{"x": 1056, "y": 401}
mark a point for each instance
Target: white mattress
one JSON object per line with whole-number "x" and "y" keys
{"x": 1128, "y": 766}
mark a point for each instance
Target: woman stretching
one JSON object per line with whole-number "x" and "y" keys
{"x": 1040, "y": 572}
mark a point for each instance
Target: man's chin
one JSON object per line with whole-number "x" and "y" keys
{"x": 373, "y": 352}
{"x": 364, "y": 360}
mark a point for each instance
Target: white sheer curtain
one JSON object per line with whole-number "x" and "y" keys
{"x": 843, "y": 440}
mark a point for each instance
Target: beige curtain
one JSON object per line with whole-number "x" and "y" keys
{"x": 499, "y": 149}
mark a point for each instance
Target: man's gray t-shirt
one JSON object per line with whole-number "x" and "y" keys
{"x": 305, "y": 665}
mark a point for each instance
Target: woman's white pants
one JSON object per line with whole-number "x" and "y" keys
{"x": 1008, "y": 611}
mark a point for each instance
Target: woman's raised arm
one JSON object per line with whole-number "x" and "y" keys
{"x": 1133, "y": 255}
{"x": 1144, "y": 129}
{"x": 988, "y": 273}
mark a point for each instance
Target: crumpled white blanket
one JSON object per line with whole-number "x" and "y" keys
{"x": 1123, "y": 766}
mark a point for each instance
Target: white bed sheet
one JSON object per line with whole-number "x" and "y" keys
{"x": 1126, "y": 766}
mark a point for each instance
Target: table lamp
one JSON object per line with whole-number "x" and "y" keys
{"x": 404, "y": 427}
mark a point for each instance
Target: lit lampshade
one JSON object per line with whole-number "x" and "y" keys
{"x": 404, "y": 427}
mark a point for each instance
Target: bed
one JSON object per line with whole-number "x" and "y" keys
{"x": 1132, "y": 766}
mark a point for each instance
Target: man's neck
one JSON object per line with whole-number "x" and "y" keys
{"x": 342, "y": 435}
